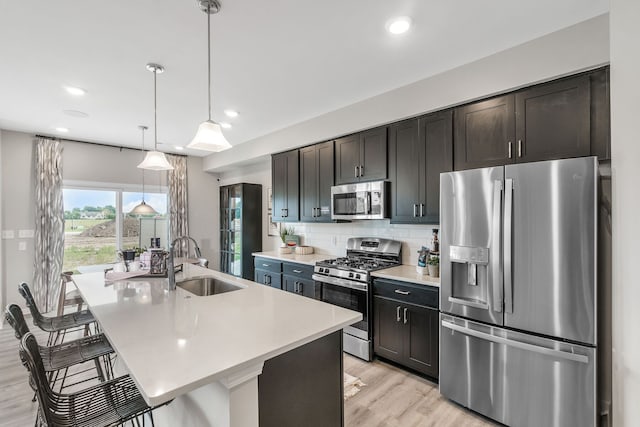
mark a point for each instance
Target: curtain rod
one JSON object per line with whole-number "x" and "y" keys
{"x": 120, "y": 147}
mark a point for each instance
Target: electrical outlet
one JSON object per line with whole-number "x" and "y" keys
{"x": 8, "y": 234}
{"x": 26, "y": 234}
{"x": 22, "y": 246}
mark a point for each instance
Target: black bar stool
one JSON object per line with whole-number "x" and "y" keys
{"x": 56, "y": 325}
{"x": 110, "y": 403}
{"x": 59, "y": 358}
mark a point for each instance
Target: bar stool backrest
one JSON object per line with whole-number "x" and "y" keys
{"x": 31, "y": 303}
{"x": 14, "y": 317}
{"x": 32, "y": 360}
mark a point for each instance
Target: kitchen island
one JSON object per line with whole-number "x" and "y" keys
{"x": 248, "y": 357}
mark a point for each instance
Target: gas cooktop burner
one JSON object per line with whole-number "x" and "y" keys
{"x": 356, "y": 263}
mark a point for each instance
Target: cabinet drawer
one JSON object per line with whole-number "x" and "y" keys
{"x": 298, "y": 270}
{"x": 268, "y": 264}
{"x": 406, "y": 292}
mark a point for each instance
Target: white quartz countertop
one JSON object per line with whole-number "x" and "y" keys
{"x": 174, "y": 342}
{"x": 407, "y": 273}
{"x": 301, "y": 259}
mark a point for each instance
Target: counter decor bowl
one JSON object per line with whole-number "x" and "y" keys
{"x": 304, "y": 250}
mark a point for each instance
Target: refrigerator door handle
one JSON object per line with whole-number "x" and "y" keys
{"x": 508, "y": 230}
{"x": 496, "y": 272}
{"x": 516, "y": 344}
{"x": 466, "y": 302}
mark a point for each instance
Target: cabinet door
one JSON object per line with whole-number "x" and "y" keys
{"x": 268, "y": 278}
{"x": 285, "y": 186}
{"x": 553, "y": 120}
{"x": 325, "y": 180}
{"x": 289, "y": 283}
{"x": 388, "y": 327}
{"x": 420, "y": 339}
{"x": 308, "y": 183}
{"x": 437, "y": 129}
{"x": 373, "y": 154}
{"x": 600, "y": 114}
{"x": 279, "y": 167}
{"x": 347, "y": 159}
{"x": 484, "y": 133}
{"x": 406, "y": 171}
{"x": 309, "y": 288}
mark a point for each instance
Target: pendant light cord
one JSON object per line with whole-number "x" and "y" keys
{"x": 209, "y": 54}
{"x": 155, "y": 110}
{"x": 142, "y": 129}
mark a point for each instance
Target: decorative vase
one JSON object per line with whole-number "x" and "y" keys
{"x": 434, "y": 270}
{"x": 284, "y": 249}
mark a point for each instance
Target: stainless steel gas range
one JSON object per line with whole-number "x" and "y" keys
{"x": 346, "y": 282}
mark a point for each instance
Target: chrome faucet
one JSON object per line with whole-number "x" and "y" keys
{"x": 171, "y": 271}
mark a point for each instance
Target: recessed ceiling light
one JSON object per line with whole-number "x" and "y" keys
{"x": 75, "y": 90}
{"x": 62, "y": 130}
{"x": 178, "y": 147}
{"x": 76, "y": 113}
{"x": 231, "y": 113}
{"x": 399, "y": 25}
{"x": 226, "y": 125}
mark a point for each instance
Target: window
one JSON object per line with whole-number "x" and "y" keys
{"x": 97, "y": 224}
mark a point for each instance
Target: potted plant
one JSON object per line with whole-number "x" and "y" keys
{"x": 433, "y": 264}
{"x": 284, "y": 232}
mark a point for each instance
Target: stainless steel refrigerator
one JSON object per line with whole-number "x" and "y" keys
{"x": 518, "y": 291}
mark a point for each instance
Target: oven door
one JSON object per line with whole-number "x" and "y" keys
{"x": 351, "y": 295}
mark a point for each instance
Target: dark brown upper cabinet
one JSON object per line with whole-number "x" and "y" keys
{"x": 548, "y": 121}
{"x": 285, "y": 186}
{"x": 553, "y": 120}
{"x": 484, "y": 133}
{"x": 419, "y": 150}
{"x": 316, "y": 179}
{"x": 361, "y": 157}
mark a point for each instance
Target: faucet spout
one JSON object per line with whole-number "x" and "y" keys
{"x": 171, "y": 271}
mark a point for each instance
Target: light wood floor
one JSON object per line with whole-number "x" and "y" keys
{"x": 396, "y": 398}
{"x": 392, "y": 397}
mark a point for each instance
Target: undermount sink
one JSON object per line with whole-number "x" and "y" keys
{"x": 204, "y": 286}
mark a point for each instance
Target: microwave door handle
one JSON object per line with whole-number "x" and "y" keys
{"x": 367, "y": 207}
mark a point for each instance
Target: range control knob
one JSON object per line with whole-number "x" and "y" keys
{"x": 351, "y": 275}
{"x": 357, "y": 276}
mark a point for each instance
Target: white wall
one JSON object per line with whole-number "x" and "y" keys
{"x": 572, "y": 49}
{"x": 625, "y": 151}
{"x": 85, "y": 162}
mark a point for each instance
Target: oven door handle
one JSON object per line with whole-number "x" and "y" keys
{"x": 344, "y": 283}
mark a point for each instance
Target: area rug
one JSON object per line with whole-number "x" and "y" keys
{"x": 352, "y": 386}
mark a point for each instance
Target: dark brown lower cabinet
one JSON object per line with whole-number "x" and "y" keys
{"x": 405, "y": 332}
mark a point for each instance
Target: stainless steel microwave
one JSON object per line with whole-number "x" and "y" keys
{"x": 364, "y": 200}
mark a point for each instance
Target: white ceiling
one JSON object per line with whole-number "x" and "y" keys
{"x": 277, "y": 62}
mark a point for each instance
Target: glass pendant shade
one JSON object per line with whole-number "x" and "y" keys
{"x": 143, "y": 209}
{"x": 209, "y": 138}
{"x": 155, "y": 161}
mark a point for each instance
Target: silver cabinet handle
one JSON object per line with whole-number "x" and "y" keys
{"x": 397, "y": 313}
{"x": 297, "y": 271}
{"x": 508, "y": 230}
{"x": 361, "y": 170}
{"x": 519, "y": 148}
{"x": 517, "y": 344}
{"x": 286, "y": 212}
{"x": 421, "y": 209}
{"x": 510, "y": 153}
{"x": 415, "y": 210}
{"x": 401, "y": 292}
{"x": 495, "y": 272}
{"x": 356, "y": 173}
{"x": 299, "y": 287}
{"x": 405, "y": 315}
{"x": 266, "y": 265}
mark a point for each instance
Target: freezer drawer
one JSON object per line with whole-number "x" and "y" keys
{"x": 515, "y": 378}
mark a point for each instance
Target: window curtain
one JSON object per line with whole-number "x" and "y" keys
{"x": 49, "y": 233}
{"x": 178, "y": 210}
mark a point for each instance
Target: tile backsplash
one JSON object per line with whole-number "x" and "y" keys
{"x": 331, "y": 238}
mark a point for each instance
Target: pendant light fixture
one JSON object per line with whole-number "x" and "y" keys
{"x": 155, "y": 159}
{"x": 143, "y": 208}
{"x": 209, "y": 136}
